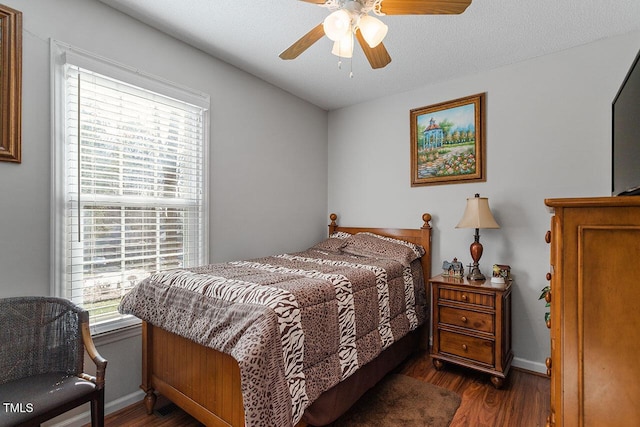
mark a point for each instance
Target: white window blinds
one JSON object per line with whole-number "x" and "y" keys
{"x": 133, "y": 188}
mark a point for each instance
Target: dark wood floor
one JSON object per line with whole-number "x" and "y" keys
{"x": 522, "y": 402}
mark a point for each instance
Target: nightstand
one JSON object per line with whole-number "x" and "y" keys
{"x": 472, "y": 325}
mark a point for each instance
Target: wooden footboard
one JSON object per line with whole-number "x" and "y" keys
{"x": 202, "y": 381}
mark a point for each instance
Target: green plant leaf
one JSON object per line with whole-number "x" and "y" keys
{"x": 545, "y": 291}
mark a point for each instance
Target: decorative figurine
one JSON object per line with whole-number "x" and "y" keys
{"x": 453, "y": 268}
{"x": 501, "y": 273}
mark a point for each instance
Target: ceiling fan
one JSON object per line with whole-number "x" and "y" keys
{"x": 351, "y": 18}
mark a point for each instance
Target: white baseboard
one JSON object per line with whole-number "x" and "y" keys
{"x": 529, "y": 365}
{"x": 124, "y": 401}
{"x": 110, "y": 407}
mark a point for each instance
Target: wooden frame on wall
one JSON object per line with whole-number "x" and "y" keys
{"x": 10, "y": 85}
{"x": 447, "y": 142}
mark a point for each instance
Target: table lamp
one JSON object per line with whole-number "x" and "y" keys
{"x": 477, "y": 215}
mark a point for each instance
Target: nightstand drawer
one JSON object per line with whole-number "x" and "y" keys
{"x": 468, "y": 347}
{"x": 467, "y": 319}
{"x": 475, "y": 298}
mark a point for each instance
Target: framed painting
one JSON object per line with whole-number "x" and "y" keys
{"x": 447, "y": 142}
{"x": 10, "y": 84}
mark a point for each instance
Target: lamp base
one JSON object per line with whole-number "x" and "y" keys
{"x": 476, "y": 253}
{"x": 475, "y": 273}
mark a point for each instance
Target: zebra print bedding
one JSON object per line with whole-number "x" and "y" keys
{"x": 296, "y": 323}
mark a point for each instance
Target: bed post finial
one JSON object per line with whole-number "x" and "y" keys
{"x": 426, "y": 218}
{"x": 333, "y": 225}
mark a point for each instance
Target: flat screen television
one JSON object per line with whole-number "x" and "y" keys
{"x": 625, "y": 168}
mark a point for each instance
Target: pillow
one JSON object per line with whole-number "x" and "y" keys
{"x": 341, "y": 235}
{"x": 334, "y": 243}
{"x": 374, "y": 245}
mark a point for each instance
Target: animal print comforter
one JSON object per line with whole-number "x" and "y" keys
{"x": 296, "y": 323}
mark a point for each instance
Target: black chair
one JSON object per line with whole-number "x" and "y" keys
{"x": 42, "y": 345}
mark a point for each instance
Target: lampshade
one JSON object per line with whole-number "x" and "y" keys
{"x": 373, "y": 30}
{"x": 343, "y": 47}
{"x": 337, "y": 25}
{"x": 477, "y": 214}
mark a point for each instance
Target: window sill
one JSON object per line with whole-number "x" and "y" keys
{"x": 120, "y": 334}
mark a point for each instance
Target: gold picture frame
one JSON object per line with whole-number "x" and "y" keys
{"x": 10, "y": 85}
{"x": 447, "y": 142}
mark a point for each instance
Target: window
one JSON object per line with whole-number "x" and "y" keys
{"x": 130, "y": 180}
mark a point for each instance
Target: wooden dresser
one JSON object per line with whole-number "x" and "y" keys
{"x": 472, "y": 325}
{"x": 595, "y": 320}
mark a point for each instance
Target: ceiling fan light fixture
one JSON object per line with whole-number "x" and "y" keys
{"x": 337, "y": 25}
{"x": 343, "y": 48}
{"x": 373, "y": 30}
{"x": 350, "y": 19}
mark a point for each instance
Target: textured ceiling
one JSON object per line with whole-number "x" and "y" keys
{"x": 424, "y": 49}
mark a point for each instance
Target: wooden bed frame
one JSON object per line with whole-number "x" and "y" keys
{"x": 205, "y": 382}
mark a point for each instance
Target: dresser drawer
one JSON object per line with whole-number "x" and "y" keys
{"x": 466, "y": 319}
{"x": 468, "y": 347}
{"x": 468, "y": 297}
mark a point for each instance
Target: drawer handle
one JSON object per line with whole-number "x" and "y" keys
{"x": 464, "y": 347}
{"x": 464, "y": 319}
{"x": 464, "y": 297}
{"x": 547, "y": 236}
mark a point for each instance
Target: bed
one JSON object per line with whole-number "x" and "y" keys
{"x": 215, "y": 343}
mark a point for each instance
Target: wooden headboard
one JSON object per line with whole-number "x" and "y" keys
{"x": 420, "y": 236}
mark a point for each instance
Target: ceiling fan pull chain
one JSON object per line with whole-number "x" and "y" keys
{"x": 351, "y": 68}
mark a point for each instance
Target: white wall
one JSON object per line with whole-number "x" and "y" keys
{"x": 268, "y": 156}
{"x": 548, "y": 134}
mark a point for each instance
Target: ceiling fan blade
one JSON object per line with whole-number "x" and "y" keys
{"x": 423, "y": 7}
{"x": 378, "y": 56}
{"x": 304, "y": 43}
